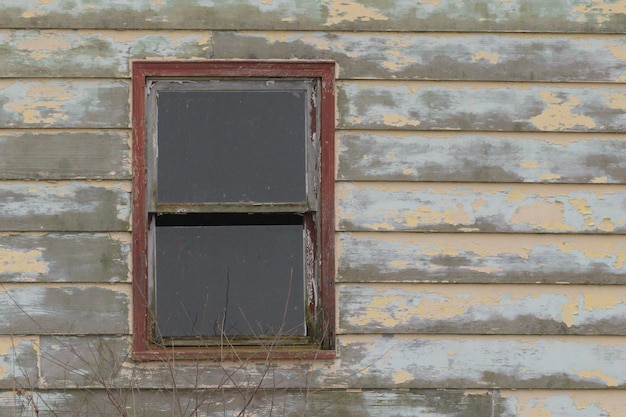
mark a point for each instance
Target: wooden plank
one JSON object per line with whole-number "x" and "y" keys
{"x": 486, "y": 157}
{"x": 579, "y": 403}
{"x": 18, "y": 362}
{"x": 419, "y": 56}
{"x": 64, "y": 103}
{"x": 480, "y": 258}
{"x": 64, "y": 257}
{"x": 321, "y": 403}
{"x": 65, "y": 206}
{"x": 64, "y": 155}
{"x": 477, "y": 15}
{"x": 107, "y": 53}
{"x": 364, "y": 361}
{"x": 480, "y": 309}
{"x": 480, "y": 362}
{"x": 64, "y": 309}
{"x": 481, "y": 106}
{"x": 516, "y": 208}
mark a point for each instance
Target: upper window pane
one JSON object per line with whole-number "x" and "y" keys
{"x": 221, "y": 145}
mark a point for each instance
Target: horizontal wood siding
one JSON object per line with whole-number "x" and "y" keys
{"x": 405, "y": 15}
{"x": 480, "y": 207}
{"x": 481, "y": 258}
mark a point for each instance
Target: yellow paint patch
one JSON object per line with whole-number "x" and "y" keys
{"x": 549, "y": 177}
{"x": 267, "y": 2}
{"x": 542, "y": 215}
{"x": 616, "y": 101}
{"x": 28, "y": 14}
{"x": 492, "y": 58}
{"x": 569, "y": 310}
{"x": 593, "y": 301}
{"x": 537, "y": 409}
{"x": 599, "y": 180}
{"x": 529, "y": 164}
{"x": 319, "y": 43}
{"x": 600, "y": 10}
{"x": 351, "y": 11}
{"x": 25, "y": 262}
{"x": 580, "y": 204}
{"x": 402, "y": 377}
{"x": 398, "y": 120}
{"x": 610, "y": 381}
{"x": 558, "y": 114}
{"x": 618, "y": 51}
{"x": 606, "y": 225}
{"x": 428, "y": 215}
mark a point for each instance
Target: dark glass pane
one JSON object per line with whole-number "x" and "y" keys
{"x": 240, "y": 280}
{"x": 231, "y": 146}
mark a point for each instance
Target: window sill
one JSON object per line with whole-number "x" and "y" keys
{"x": 233, "y": 353}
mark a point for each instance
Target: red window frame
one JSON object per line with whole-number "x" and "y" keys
{"x": 142, "y": 72}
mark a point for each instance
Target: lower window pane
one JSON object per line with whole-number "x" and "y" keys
{"x": 230, "y": 280}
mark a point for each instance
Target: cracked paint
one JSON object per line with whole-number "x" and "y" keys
{"x": 22, "y": 261}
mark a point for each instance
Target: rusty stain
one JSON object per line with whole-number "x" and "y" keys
{"x": 558, "y": 114}
{"x": 351, "y": 11}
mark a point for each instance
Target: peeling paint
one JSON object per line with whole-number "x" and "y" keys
{"x": 22, "y": 261}
{"x": 492, "y": 58}
{"x": 558, "y": 114}
{"x": 350, "y": 11}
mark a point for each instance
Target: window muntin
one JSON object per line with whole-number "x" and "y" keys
{"x": 269, "y": 222}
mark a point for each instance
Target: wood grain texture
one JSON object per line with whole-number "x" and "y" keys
{"x": 64, "y": 155}
{"x": 514, "y": 208}
{"x": 62, "y": 309}
{"x": 319, "y": 403}
{"x": 54, "y": 53}
{"x": 581, "y": 403}
{"x": 364, "y": 362}
{"x": 447, "y": 15}
{"x": 420, "y": 56}
{"x": 481, "y": 106}
{"x": 18, "y": 363}
{"x": 481, "y": 258}
{"x": 65, "y": 206}
{"x": 479, "y": 309}
{"x": 64, "y": 257}
{"x": 485, "y": 157}
{"x": 64, "y": 104}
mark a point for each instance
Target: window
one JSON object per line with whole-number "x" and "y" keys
{"x": 233, "y": 178}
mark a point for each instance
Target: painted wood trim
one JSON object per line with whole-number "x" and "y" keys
{"x": 515, "y": 208}
{"x": 64, "y": 206}
{"x": 64, "y": 309}
{"x": 481, "y": 106}
{"x": 64, "y": 155}
{"x": 482, "y": 157}
{"x": 516, "y": 15}
{"x": 65, "y": 257}
{"x": 440, "y": 56}
{"x": 480, "y": 309}
{"x": 481, "y": 258}
{"x": 64, "y": 104}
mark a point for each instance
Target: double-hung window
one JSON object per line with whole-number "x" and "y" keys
{"x": 233, "y": 208}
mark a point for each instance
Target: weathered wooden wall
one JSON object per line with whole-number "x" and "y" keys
{"x": 481, "y": 196}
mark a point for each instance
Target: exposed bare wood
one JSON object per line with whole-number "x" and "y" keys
{"x": 64, "y": 155}
{"x": 65, "y": 206}
{"x": 480, "y": 309}
{"x": 481, "y": 258}
{"x": 483, "y": 157}
{"x": 64, "y": 257}
{"x": 419, "y": 56}
{"x": 514, "y": 208}
{"x": 477, "y": 15}
{"x": 481, "y": 106}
